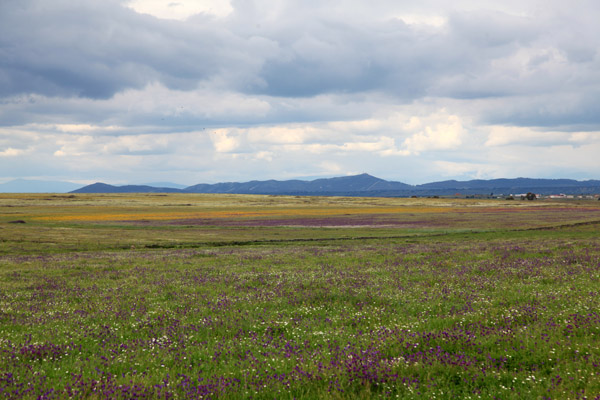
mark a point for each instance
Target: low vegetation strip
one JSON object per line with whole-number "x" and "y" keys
{"x": 135, "y": 215}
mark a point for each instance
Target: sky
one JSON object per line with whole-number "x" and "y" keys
{"x": 206, "y": 91}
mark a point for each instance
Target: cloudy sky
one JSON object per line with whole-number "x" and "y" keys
{"x": 204, "y": 91}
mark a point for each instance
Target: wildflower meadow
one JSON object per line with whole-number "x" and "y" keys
{"x": 263, "y": 297}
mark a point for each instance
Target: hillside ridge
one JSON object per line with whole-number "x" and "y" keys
{"x": 366, "y": 185}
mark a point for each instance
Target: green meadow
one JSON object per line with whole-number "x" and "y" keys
{"x": 271, "y": 297}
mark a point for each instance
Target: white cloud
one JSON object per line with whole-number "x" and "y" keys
{"x": 330, "y": 168}
{"x": 292, "y": 134}
{"x": 423, "y": 19}
{"x": 138, "y": 144}
{"x": 444, "y": 135}
{"x": 84, "y": 128}
{"x": 181, "y": 9}
{"x": 76, "y": 129}
{"x": 506, "y": 135}
{"x": 264, "y": 155}
{"x": 224, "y": 141}
{"x": 379, "y": 145}
{"x": 367, "y": 125}
{"x": 558, "y": 161}
{"x": 10, "y": 152}
{"x": 584, "y": 137}
{"x": 511, "y": 135}
{"x": 202, "y": 103}
{"x": 76, "y": 146}
{"x": 453, "y": 169}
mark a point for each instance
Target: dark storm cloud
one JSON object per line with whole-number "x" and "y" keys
{"x": 474, "y": 55}
{"x": 542, "y": 62}
{"x": 570, "y": 111}
{"x": 66, "y": 48}
{"x": 96, "y": 49}
{"x": 336, "y": 57}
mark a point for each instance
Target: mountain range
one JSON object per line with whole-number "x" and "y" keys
{"x": 367, "y": 185}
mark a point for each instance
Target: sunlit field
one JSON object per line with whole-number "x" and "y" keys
{"x": 264, "y": 297}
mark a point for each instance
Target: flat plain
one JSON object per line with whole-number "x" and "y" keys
{"x": 270, "y": 297}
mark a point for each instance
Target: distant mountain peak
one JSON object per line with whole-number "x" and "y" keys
{"x": 100, "y": 187}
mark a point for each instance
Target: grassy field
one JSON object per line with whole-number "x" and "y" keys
{"x": 231, "y": 296}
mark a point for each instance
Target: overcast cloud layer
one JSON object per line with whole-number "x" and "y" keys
{"x": 210, "y": 90}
